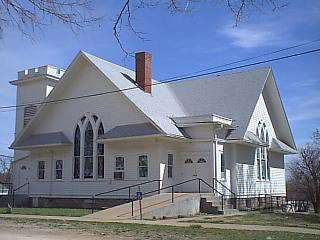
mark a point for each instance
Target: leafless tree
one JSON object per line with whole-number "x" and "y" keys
{"x": 28, "y": 15}
{"x": 239, "y": 8}
{"x": 305, "y": 171}
{"x": 5, "y": 167}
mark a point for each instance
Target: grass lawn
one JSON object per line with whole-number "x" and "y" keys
{"x": 137, "y": 231}
{"x": 69, "y": 212}
{"x": 273, "y": 219}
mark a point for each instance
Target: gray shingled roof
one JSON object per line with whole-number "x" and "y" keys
{"x": 231, "y": 95}
{"x": 131, "y": 130}
{"x": 54, "y": 138}
{"x": 277, "y": 145}
{"x": 158, "y": 106}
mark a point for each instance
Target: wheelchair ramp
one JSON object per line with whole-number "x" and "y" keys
{"x": 153, "y": 207}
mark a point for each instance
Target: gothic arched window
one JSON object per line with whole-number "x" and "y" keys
{"x": 100, "y": 153}
{"x": 88, "y": 152}
{"x": 263, "y": 168}
{"x": 76, "y": 153}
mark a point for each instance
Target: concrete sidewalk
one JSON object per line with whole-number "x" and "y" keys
{"x": 175, "y": 222}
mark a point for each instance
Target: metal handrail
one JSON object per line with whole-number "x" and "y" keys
{"x": 127, "y": 187}
{"x": 27, "y": 183}
{"x": 184, "y": 182}
{"x": 174, "y": 185}
{"x": 123, "y": 188}
{"x": 157, "y": 190}
{"x": 16, "y": 189}
{"x": 224, "y": 186}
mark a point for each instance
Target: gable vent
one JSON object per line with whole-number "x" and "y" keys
{"x": 29, "y": 112}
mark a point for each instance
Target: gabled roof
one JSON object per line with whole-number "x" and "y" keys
{"x": 278, "y": 146}
{"x": 231, "y": 96}
{"x": 158, "y": 106}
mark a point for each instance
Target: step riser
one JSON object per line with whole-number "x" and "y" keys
{"x": 212, "y": 205}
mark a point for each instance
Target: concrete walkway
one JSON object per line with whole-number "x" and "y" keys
{"x": 176, "y": 222}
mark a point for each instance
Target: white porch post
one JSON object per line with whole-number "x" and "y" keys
{"x": 233, "y": 173}
{"x": 213, "y": 156}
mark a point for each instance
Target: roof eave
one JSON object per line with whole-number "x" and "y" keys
{"x": 39, "y": 146}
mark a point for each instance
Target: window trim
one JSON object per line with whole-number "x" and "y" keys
{"x": 223, "y": 173}
{"x": 115, "y": 169}
{"x": 76, "y": 156}
{"x": 170, "y": 165}
{"x": 100, "y": 124}
{"x": 90, "y": 156}
{"x": 148, "y": 164}
{"x": 43, "y": 170}
{"x": 55, "y": 170}
{"x": 262, "y": 154}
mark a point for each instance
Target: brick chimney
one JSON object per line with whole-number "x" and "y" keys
{"x": 144, "y": 71}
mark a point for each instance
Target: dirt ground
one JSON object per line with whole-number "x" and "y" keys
{"x": 10, "y": 231}
{"x": 50, "y": 229}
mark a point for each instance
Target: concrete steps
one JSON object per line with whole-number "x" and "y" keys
{"x": 212, "y": 204}
{"x": 160, "y": 206}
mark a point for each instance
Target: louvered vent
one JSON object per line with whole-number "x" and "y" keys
{"x": 29, "y": 112}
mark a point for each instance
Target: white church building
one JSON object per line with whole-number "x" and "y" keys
{"x": 98, "y": 126}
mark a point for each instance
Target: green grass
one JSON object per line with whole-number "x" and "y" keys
{"x": 138, "y": 231}
{"x": 272, "y": 219}
{"x": 68, "y": 212}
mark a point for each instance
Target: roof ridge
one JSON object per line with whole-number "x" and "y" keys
{"x": 212, "y": 76}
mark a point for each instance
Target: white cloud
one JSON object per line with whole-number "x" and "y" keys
{"x": 305, "y": 116}
{"x": 251, "y": 36}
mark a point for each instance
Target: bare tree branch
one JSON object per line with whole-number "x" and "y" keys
{"x": 305, "y": 171}
{"x": 239, "y": 8}
{"x": 29, "y": 15}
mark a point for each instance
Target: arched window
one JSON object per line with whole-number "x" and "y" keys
{"x": 83, "y": 119}
{"x": 261, "y": 154}
{"x": 100, "y": 153}
{"x": 188, "y": 160}
{"x": 262, "y": 135}
{"x": 201, "y": 160}
{"x": 267, "y": 137}
{"x": 88, "y": 152}
{"x": 76, "y": 153}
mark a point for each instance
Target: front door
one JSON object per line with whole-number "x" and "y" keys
{"x": 195, "y": 165}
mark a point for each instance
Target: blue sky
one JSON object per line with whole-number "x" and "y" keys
{"x": 182, "y": 44}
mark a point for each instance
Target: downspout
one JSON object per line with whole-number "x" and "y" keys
{"x": 215, "y": 140}
{"x": 51, "y": 173}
